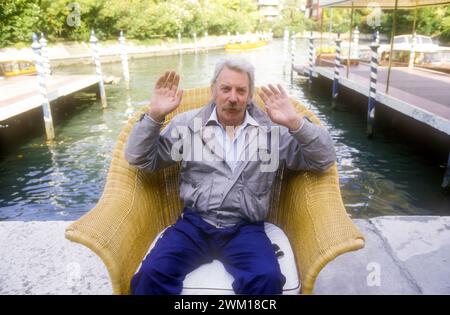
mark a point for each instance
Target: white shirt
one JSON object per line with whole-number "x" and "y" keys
{"x": 232, "y": 148}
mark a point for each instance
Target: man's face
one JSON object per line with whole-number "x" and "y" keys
{"x": 230, "y": 93}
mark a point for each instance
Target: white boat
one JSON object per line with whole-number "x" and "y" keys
{"x": 405, "y": 42}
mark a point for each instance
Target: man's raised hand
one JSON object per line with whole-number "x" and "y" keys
{"x": 279, "y": 107}
{"x": 165, "y": 98}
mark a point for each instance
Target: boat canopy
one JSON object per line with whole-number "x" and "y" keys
{"x": 384, "y": 4}
{"x": 16, "y": 56}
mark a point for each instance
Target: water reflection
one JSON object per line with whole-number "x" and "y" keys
{"x": 64, "y": 180}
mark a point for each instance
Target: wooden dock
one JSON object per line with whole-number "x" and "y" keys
{"x": 420, "y": 94}
{"x": 21, "y": 94}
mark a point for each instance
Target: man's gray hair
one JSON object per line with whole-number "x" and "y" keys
{"x": 237, "y": 64}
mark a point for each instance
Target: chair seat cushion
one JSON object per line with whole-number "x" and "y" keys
{"x": 212, "y": 278}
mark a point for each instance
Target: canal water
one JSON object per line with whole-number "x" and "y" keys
{"x": 382, "y": 176}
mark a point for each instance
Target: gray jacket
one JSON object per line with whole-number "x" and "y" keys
{"x": 208, "y": 185}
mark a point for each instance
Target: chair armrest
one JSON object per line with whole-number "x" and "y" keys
{"x": 127, "y": 218}
{"x": 314, "y": 218}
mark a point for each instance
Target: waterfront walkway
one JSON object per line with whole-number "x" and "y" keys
{"x": 420, "y": 94}
{"x": 21, "y": 94}
{"x": 74, "y": 53}
{"x": 403, "y": 255}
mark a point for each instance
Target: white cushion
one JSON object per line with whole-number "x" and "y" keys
{"x": 212, "y": 278}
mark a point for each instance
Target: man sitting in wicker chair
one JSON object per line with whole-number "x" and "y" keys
{"x": 224, "y": 188}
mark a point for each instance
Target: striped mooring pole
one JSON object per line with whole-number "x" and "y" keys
{"x": 311, "y": 58}
{"x": 293, "y": 49}
{"x": 446, "y": 181}
{"x": 206, "y": 41}
{"x": 41, "y": 75}
{"x": 412, "y": 52}
{"x": 44, "y": 55}
{"x": 98, "y": 68}
{"x": 373, "y": 87}
{"x": 195, "y": 42}
{"x": 337, "y": 66}
{"x": 285, "y": 49}
{"x": 355, "y": 44}
{"x": 124, "y": 58}
{"x": 179, "y": 44}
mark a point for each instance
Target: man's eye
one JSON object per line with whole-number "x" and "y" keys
{"x": 225, "y": 89}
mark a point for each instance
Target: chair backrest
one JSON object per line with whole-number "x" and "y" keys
{"x": 135, "y": 206}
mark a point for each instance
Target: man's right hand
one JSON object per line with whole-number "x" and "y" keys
{"x": 165, "y": 98}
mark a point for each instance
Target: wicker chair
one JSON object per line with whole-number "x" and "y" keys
{"x": 136, "y": 206}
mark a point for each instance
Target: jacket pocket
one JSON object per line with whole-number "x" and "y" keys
{"x": 195, "y": 193}
{"x": 255, "y": 199}
{"x": 258, "y": 188}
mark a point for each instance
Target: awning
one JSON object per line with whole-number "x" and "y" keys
{"x": 384, "y": 4}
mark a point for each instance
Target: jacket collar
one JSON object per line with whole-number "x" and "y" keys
{"x": 205, "y": 113}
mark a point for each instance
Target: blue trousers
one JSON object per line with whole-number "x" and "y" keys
{"x": 244, "y": 249}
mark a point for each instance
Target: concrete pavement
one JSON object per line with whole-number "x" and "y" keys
{"x": 74, "y": 53}
{"x": 403, "y": 255}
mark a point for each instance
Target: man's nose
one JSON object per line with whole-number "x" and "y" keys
{"x": 233, "y": 96}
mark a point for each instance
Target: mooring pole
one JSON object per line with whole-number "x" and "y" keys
{"x": 350, "y": 40}
{"x": 285, "y": 49}
{"x": 41, "y": 75}
{"x": 446, "y": 180}
{"x": 44, "y": 55}
{"x": 394, "y": 26}
{"x": 195, "y": 42}
{"x": 180, "y": 51}
{"x": 412, "y": 53}
{"x": 373, "y": 87}
{"x": 98, "y": 68}
{"x": 293, "y": 49}
{"x": 337, "y": 65}
{"x": 311, "y": 59}
{"x": 355, "y": 46}
{"x": 124, "y": 58}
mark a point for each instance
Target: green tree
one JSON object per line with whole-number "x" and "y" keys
{"x": 291, "y": 17}
{"x": 18, "y": 19}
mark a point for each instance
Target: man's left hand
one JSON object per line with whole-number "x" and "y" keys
{"x": 279, "y": 107}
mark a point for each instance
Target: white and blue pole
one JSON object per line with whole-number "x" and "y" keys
{"x": 446, "y": 181}
{"x": 98, "y": 68}
{"x": 373, "y": 87}
{"x": 337, "y": 66}
{"x": 41, "y": 75}
{"x": 293, "y": 49}
{"x": 311, "y": 58}
{"x": 124, "y": 58}
{"x": 44, "y": 55}
{"x": 285, "y": 49}
{"x": 179, "y": 43}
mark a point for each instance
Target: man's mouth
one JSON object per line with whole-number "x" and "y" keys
{"x": 232, "y": 108}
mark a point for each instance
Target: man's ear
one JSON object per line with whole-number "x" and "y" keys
{"x": 249, "y": 99}
{"x": 213, "y": 92}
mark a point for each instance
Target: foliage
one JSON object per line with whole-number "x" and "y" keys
{"x": 340, "y": 20}
{"x": 432, "y": 21}
{"x": 17, "y": 19}
{"x": 140, "y": 19}
{"x": 158, "y": 20}
{"x": 291, "y": 18}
